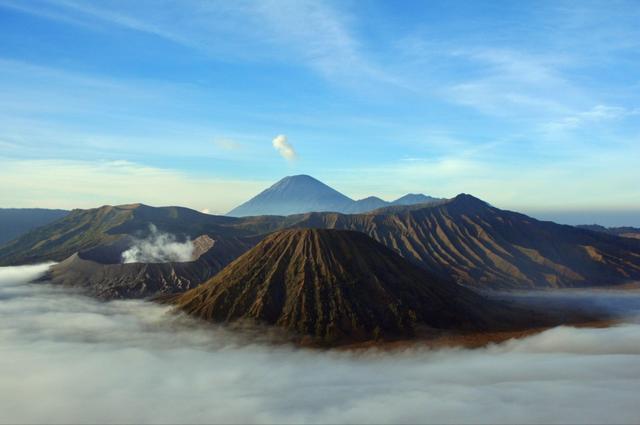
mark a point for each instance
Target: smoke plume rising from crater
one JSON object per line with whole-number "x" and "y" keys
{"x": 158, "y": 247}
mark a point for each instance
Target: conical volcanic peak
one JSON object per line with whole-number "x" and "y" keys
{"x": 292, "y": 195}
{"x": 333, "y": 286}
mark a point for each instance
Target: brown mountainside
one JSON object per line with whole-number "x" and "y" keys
{"x": 337, "y": 286}
{"x": 483, "y": 246}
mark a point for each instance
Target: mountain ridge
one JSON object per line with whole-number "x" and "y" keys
{"x": 482, "y": 246}
{"x": 464, "y": 238}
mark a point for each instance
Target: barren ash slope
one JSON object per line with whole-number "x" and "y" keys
{"x": 338, "y": 287}
{"x": 486, "y": 247}
{"x": 100, "y": 273}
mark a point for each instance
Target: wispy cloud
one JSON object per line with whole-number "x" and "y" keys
{"x": 88, "y": 16}
{"x": 41, "y": 9}
{"x": 227, "y": 144}
{"x": 597, "y": 114}
{"x": 320, "y": 35}
{"x": 513, "y": 83}
{"x": 53, "y": 112}
{"x": 513, "y": 183}
{"x": 87, "y": 184}
{"x": 306, "y": 32}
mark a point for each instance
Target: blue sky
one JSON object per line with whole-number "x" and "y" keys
{"x": 533, "y": 106}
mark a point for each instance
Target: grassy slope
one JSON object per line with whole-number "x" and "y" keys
{"x": 80, "y": 229}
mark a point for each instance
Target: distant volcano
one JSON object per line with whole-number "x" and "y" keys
{"x": 302, "y": 193}
{"x": 337, "y": 286}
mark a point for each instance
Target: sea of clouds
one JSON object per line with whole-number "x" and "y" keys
{"x": 65, "y": 358}
{"x": 158, "y": 247}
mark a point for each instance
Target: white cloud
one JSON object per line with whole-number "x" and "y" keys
{"x": 171, "y": 369}
{"x": 284, "y": 148}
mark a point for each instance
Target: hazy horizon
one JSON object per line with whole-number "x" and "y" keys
{"x": 603, "y": 217}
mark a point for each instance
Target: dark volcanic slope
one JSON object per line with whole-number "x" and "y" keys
{"x": 88, "y": 271}
{"x": 334, "y": 286}
{"x": 483, "y": 246}
{"x": 15, "y": 222}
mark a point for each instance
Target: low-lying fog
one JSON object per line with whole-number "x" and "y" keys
{"x": 66, "y": 358}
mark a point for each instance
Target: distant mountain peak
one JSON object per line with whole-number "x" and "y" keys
{"x": 292, "y": 195}
{"x": 303, "y": 193}
{"x": 371, "y": 198}
{"x": 132, "y": 206}
{"x": 464, "y": 199}
{"x": 297, "y": 179}
{"x": 413, "y": 198}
